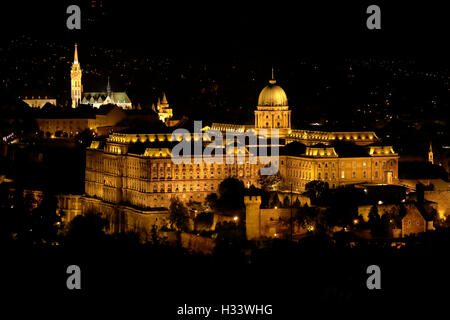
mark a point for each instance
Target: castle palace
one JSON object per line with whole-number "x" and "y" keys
{"x": 130, "y": 177}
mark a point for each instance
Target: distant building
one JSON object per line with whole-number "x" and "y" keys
{"x": 165, "y": 113}
{"x": 70, "y": 123}
{"x": 95, "y": 99}
{"x": 38, "y": 102}
{"x": 415, "y": 221}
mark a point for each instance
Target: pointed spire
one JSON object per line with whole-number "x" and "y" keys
{"x": 430, "y": 154}
{"x": 164, "y": 99}
{"x": 158, "y": 103}
{"x": 75, "y": 57}
{"x": 272, "y": 81}
{"x": 153, "y": 107}
{"x": 108, "y": 88}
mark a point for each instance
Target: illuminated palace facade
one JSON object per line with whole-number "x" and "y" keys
{"x": 339, "y": 158}
{"x": 132, "y": 174}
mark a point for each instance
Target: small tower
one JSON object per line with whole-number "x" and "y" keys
{"x": 76, "y": 88}
{"x": 165, "y": 113}
{"x": 252, "y": 217}
{"x": 430, "y": 155}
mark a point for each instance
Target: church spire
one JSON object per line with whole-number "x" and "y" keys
{"x": 75, "y": 57}
{"x": 76, "y": 88}
{"x": 108, "y": 88}
{"x": 164, "y": 99}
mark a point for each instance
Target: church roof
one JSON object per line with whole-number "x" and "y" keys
{"x": 100, "y": 97}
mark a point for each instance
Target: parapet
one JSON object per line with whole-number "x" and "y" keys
{"x": 252, "y": 199}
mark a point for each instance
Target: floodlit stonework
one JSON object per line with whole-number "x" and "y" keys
{"x": 135, "y": 168}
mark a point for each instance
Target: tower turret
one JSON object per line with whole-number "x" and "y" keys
{"x": 252, "y": 217}
{"x": 430, "y": 155}
{"x": 165, "y": 113}
{"x": 76, "y": 88}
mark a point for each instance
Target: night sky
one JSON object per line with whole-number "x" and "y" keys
{"x": 218, "y": 29}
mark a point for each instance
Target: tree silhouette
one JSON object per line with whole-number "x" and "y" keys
{"x": 178, "y": 215}
{"x": 318, "y": 191}
{"x": 231, "y": 191}
{"x": 88, "y": 229}
{"x": 374, "y": 223}
{"x": 269, "y": 182}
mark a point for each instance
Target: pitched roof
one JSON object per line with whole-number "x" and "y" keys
{"x": 116, "y": 97}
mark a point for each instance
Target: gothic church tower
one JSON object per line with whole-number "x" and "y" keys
{"x": 75, "y": 84}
